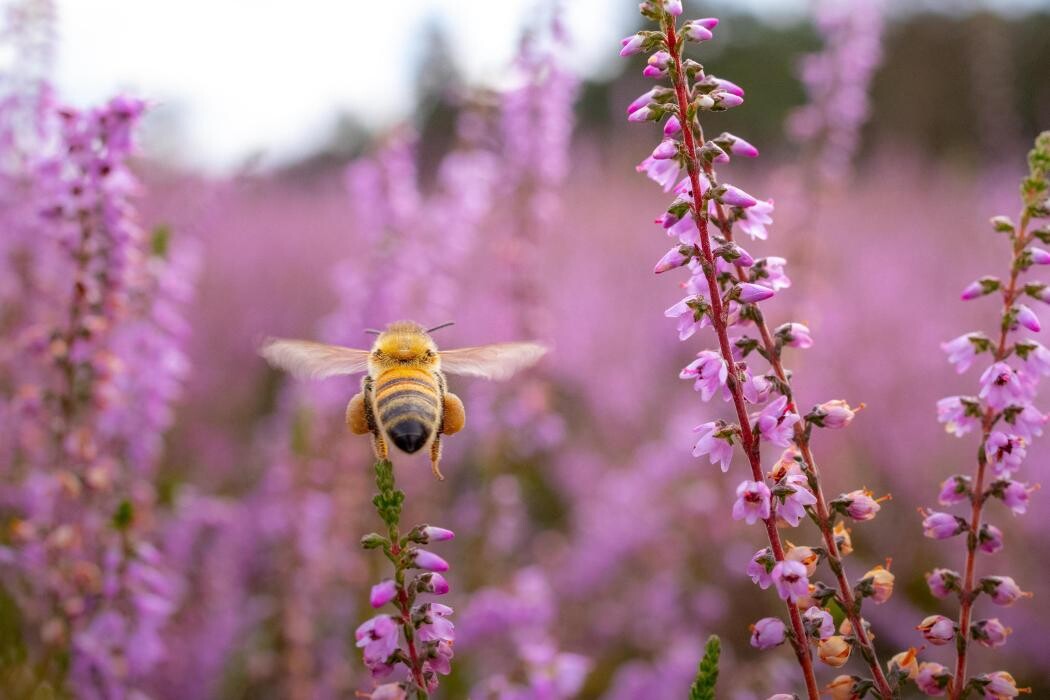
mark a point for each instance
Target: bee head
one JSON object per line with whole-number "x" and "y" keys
{"x": 404, "y": 343}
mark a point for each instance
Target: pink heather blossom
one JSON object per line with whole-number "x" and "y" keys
{"x": 1027, "y": 318}
{"x": 671, "y": 260}
{"x": 631, "y": 44}
{"x": 710, "y": 373}
{"x": 793, "y": 507}
{"x": 961, "y": 351}
{"x": 789, "y": 577}
{"x": 687, "y": 321}
{"x": 1039, "y": 256}
{"x": 657, "y": 65}
{"x": 768, "y": 633}
{"x": 972, "y": 291}
{"x": 756, "y": 568}
{"x": 422, "y": 559}
{"x": 954, "y": 489}
{"x": 795, "y": 335}
{"x": 937, "y": 629}
{"x": 672, "y": 126}
{"x": 932, "y": 678}
{"x": 1015, "y": 496}
{"x": 754, "y": 293}
{"x": 382, "y": 593}
{"x": 694, "y": 31}
{"x": 436, "y": 625}
{"x": 998, "y": 686}
{"x": 1038, "y": 360}
{"x": 673, "y": 7}
{"x": 735, "y": 197}
{"x": 663, "y": 172}
{"x": 991, "y": 633}
{"x": 379, "y": 638}
{"x": 752, "y": 502}
{"x": 441, "y": 660}
{"x": 719, "y": 449}
{"x": 953, "y": 412}
{"x": 1029, "y": 422}
{"x": 668, "y": 148}
{"x": 775, "y": 425}
{"x": 942, "y": 582}
{"x": 1005, "y": 452}
{"x": 729, "y": 86}
{"x": 642, "y": 100}
{"x": 756, "y": 219}
{"x": 990, "y": 539}
{"x": 756, "y": 387}
{"x": 739, "y": 147}
{"x": 389, "y": 691}
{"x": 1003, "y": 590}
{"x": 437, "y": 534}
{"x": 727, "y": 100}
{"x": 1000, "y": 386}
{"x": 860, "y": 505}
{"x": 432, "y": 582}
{"x": 819, "y": 623}
{"x": 835, "y": 414}
{"x": 642, "y": 114}
{"x": 940, "y": 526}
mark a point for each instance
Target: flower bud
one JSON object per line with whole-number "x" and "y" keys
{"x": 834, "y": 651}
{"x": 937, "y": 629}
{"x": 641, "y": 101}
{"x": 422, "y": 559}
{"x": 818, "y": 623}
{"x": 832, "y": 414}
{"x": 673, "y": 126}
{"x": 753, "y": 293}
{"x": 805, "y": 556}
{"x": 1027, "y": 318}
{"x": 734, "y": 197}
{"x": 672, "y": 259}
{"x": 382, "y": 593}
{"x": 436, "y": 534}
{"x": 954, "y": 489}
{"x": 673, "y": 7}
{"x": 841, "y": 688}
{"x": 1003, "y": 590}
{"x": 431, "y": 582}
{"x": 999, "y": 686}
{"x": 940, "y": 526}
{"x": 990, "y": 539}
{"x": 881, "y": 584}
{"x": 905, "y": 662}
{"x": 694, "y": 31}
{"x": 632, "y": 44}
{"x": 668, "y": 148}
{"x": 1039, "y": 256}
{"x": 859, "y": 504}
{"x": 942, "y": 582}
{"x": 933, "y": 678}
{"x": 990, "y": 633}
{"x": 767, "y": 633}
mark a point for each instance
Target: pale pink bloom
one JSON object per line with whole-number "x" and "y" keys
{"x": 793, "y": 508}
{"x": 663, "y": 172}
{"x": 954, "y": 489}
{"x": 958, "y": 419}
{"x": 422, "y": 559}
{"x": 382, "y": 593}
{"x": 789, "y": 577}
{"x": 942, "y": 582}
{"x": 437, "y": 534}
{"x": 631, "y": 44}
{"x": 991, "y": 633}
{"x": 961, "y": 351}
{"x": 767, "y": 633}
{"x": 756, "y": 568}
{"x": 932, "y": 678}
{"x": 436, "y": 626}
{"x": 1027, "y": 318}
{"x": 819, "y": 623}
{"x": 1003, "y": 590}
{"x": 1005, "y": 452}
{"x": 752, "y": 502}
{"x": 756, "y": 219}
{"x": 754, "y": 293}
{"x": 719, "y": 449}
{"x": 379, "y": 638}
{"x": 1000, "y": 386}
{"x": 940, "y": 526}
{"x": 671, "y": 260}
{"x": 710, "y": 373}
{"x": 774, "y": 424}
{"x": 1015, "y": 496}
{"x": 937, "y": 629}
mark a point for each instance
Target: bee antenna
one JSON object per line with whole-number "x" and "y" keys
{"x": 443, "y": 325}
{"x": 372, "y": 331}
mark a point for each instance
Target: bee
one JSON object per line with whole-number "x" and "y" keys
{"x": 404, "y": 397}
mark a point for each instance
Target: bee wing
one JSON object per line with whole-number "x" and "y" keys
{"x": 306, "y": 359}
{"x": 496, "y": 361}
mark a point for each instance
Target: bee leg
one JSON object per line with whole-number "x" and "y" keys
{"x": 356, "y": 418}
{"x": 379, "y": 445}
{"x": 453, "y": 417}
{"x": 435, "y": 458}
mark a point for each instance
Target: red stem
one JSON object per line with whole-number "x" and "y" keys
{"x": 747, "y": 437}
{"x": 966, "y": 597}
{"x": 406, "y": 618}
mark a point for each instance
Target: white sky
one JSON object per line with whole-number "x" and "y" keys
{"x": 236, "y": 77}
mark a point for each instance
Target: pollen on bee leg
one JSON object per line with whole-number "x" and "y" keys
{"x": 435, "y": 458}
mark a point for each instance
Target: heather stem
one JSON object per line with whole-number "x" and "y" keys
{"x": 966, "y": 597}
{"x": 718, "y": 321}
{"x": 849, "y": 603}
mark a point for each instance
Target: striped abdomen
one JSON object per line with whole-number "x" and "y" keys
{"x": 407, "y": 404}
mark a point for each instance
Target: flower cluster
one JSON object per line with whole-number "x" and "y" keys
{"x": 419, "y": 635}
{"x": 1004, "y": 414}
{"x": 724, "y": 291}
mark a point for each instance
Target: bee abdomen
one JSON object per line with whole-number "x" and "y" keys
{"x": 407, "y": 404}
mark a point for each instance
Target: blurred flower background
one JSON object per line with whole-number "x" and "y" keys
{"x": 315, "y": 170}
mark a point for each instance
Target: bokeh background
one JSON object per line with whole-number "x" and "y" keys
{"x": 319, "y": 168}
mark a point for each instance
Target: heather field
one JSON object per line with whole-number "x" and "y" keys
{"x": 782, "y": 442}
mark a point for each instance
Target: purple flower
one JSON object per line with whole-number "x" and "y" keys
{"x": 663, "y": 172}
{"x": 795, "y": 335}
{"x": 789, "y": 577}
{"x": 990, "y": 539}
{"x": 759, "y": 568}
{"x": 435, "y": 625}
{"x": 756, "y": 219}
{"x": 860, "y": 504}
{"x": 1039, "y": 256}
{"x": 954, "y": 412}
{"x": 1000, "y": 386}
{"x": 962, "y": 351}
{"x": 937, "y": 629}
{"x": 942, "y": 582}
{"x": 793, "y": 507}
{"x": 431, "y": 582}
{"x": 972, "y": 291}
{"x": 735, "y": 197}
{"x": 382, "y": 593}
{"x": 673, "y": 7}
{"x": 767, "y": 633}
{"x": 1005, "y": 452}
{"x": 990, "y": 633}
{"x": 1003, "y": 590}
{"x": 932, "y": 678}
{"x": 671, "y": 260}
{"x": 774, "y": 424}
{"x": 1015, "y": 496}
{"x": 998, "y": 686}
{"x": 940, "y": 526}
{"x": 718, "y": 448}
{"x": 694, "y": 31}
{"x": 1027, "y": 318}
{"x": 754, "y": 293}
{"x": 436, "y": 534}
{"x": 756, "y": 387}
{"x": 710, "y": 373}
{"x": 752, "y": 502}
{"x": 631, "y": 44}
{"x": 688, "y": 323}
{"x": 954, "y": 489}
{"x": 668, "y": 148}
{"x": 819, "y": 623}
{"x": 641, "y": 101}
{"x": 656, "y": 66}
{"x": 379, "y": 638}
{"x": 422, "y": 559}
{"x": 673, "y": 126}
{"x": 642, "y": 114}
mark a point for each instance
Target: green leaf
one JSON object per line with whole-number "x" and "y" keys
{"x": 707, "y": 674}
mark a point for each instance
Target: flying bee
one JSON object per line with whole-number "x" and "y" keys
{"x": 404, "y": 396}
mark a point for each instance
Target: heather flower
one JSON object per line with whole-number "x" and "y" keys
{"x": 942, "y": 582}
{"x": 632, "y": 45}
{"x": 819, "y": 623}
{"x": 379, "y": 639}
{"x": 905, "y": 663}
{"x": 755, "y": 220}
{"x": 714, "y": 443}
{"x": 431, "y": 583}
{"x": 962, "y": 351}
{"x": 790, "y": 580}
{"x": 696, "y": 31}
{"x": 1027, "y": 318}
{"x": 832, "y": 414}
{"x": 756, "y": 387}
{"x": 774, "y": 424}
{"x": 932, "y": 678}
{"x": 422, "y": 559}
{"x": 834, "y": 651}
{"x": 795, "y": 497}
{"x": 937, "y": 629}
{"x": 954, "y": 489}
{"x": 734, "y": 197}
{"x": 710, "y": 373}
{"x": 435, "y": 625}
{"x": 435, "y": 534}
{"x": 382, "y": 593}
{"x": 760, "y": 566}
{"x": 1000, "y": 386}
{"x": 389, "y": 691}
{"x": 689, "y": 319}
{"x": 752, "y": 502}
{"x": 990, "y": 539}
{"x": 859, "y": 505}
{"x": 940, "y": 526}
{"x": 1005, "y": 452}
{"x": 1003, "y": 590}
{"x": 959, "y": 414}
{"x": 768, "y": 633}
{"x": 1015, "y": 496}
{"x": 795, "y": 335}
{"x": 990, "y": 633}
{"x": 998, "y": 686}
{"x": 674, "y": 258}
{"x": 753, "y": 293}
{"x": 881, "y": 582}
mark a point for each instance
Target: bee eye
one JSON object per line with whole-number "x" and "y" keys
{"x": 429, "y": 354}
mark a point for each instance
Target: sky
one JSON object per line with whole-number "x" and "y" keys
{"x": 231, "y": 79}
